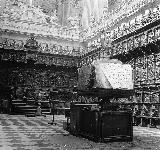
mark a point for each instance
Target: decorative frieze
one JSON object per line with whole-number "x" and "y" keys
{"x": 150, "y": 15}
{"x": 44, "y": 47}
{"x": 38, "y": 58}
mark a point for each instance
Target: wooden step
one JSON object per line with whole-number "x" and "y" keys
{"x": 20, "y": 100}
{"x": 29, "y": 113}
{"x": 46, "y": 109}
{"x": 18, "y": 104}
{"x": 27, "y": 107}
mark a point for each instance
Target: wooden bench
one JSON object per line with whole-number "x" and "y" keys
{"x": 146, "y": 120}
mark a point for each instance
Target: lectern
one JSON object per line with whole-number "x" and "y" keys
{"x": 99, "y": 119}
{"x": 95, "y": 112}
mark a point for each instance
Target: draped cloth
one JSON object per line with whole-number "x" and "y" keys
{"x": 107, "y": 74}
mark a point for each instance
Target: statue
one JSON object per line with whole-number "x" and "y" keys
{"x": 31, "y": 43}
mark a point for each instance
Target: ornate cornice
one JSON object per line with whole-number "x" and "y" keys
{"x": 17, "y": 41}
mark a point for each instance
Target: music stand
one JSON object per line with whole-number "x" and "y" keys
{"x": 52, "y": 110}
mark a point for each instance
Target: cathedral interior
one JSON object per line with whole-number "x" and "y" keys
{"x": 45, "y": 43}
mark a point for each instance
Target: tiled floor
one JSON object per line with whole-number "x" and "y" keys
{"x": 34, "y": 133}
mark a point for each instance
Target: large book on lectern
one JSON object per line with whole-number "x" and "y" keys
{"x": 105, "y": 74}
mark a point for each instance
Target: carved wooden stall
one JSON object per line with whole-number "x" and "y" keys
{"x": 137, "y": 42}
{"x": 32, "y": 72}
{"x": 140, "y": 46}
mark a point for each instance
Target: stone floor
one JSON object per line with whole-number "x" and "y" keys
{"x": 34, "y": 133}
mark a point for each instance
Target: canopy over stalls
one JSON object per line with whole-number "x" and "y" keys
{"x": 107, "y": 74}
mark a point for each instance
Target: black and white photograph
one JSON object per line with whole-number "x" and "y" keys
{"x": 79, "y": 74}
